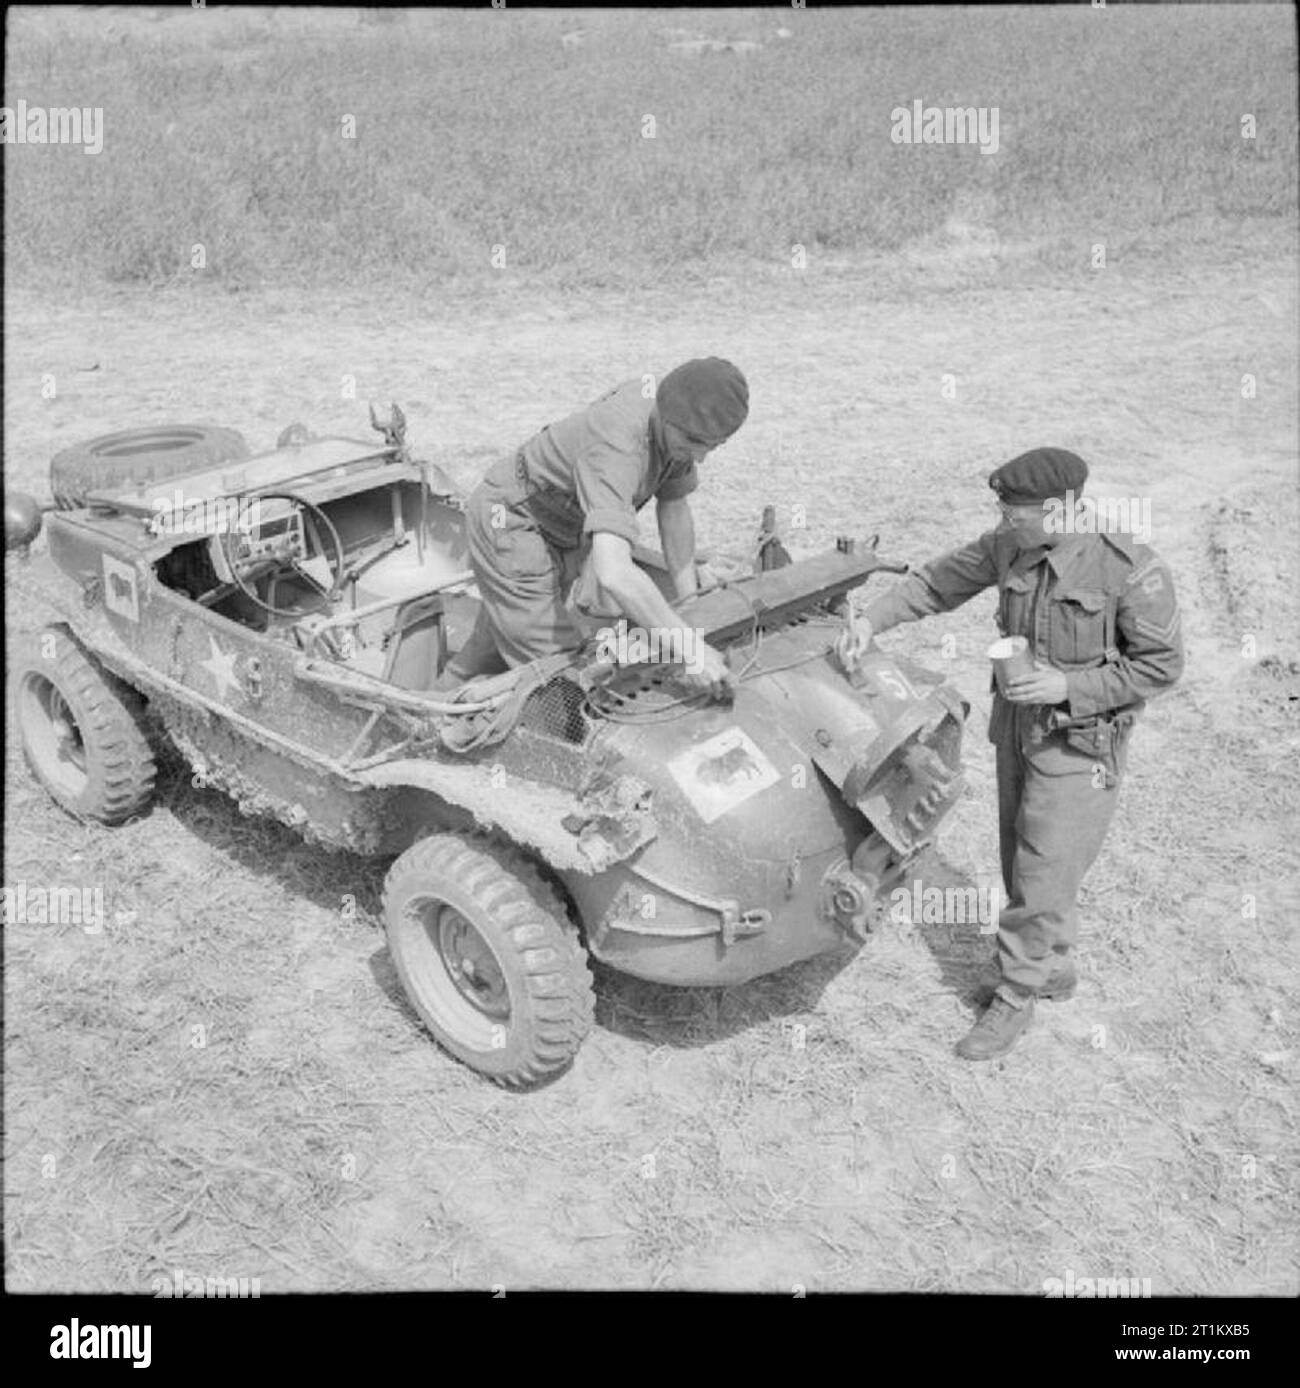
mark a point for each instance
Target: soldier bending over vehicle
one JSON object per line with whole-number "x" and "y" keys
{"x": 551, "y": 528}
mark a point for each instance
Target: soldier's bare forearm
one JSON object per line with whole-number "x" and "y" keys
{"x": 677, "y": 535}
{"x": 635, "y": 594}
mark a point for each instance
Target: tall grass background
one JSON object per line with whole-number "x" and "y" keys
{"x": 481, "y": 129}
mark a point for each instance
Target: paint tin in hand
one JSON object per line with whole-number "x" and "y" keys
{"x": 1011, "y": 659}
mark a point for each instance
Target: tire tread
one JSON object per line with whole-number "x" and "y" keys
{"x": 507, "y": 888}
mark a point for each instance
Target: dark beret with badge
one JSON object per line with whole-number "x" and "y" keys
{"x": 1042, "y": 474}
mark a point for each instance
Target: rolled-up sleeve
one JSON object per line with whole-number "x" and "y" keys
{"x": 681, "y": 480}
{"x": 605, "y": 482}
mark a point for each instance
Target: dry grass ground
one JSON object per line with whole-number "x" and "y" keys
{"x": 227, "y": 1080}
{"x": 814, "y": 1127}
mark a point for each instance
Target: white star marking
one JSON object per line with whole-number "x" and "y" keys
{"x": 221, "y": 666}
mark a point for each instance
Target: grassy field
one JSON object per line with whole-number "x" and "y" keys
{"x": 476, "y": 131}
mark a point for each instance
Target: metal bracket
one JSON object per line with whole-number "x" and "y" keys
{"x": 733, "y": 923}
{"x": 392, "y": 425}
{"x": 254, "y": 688}
{"x": 736, "y": 923}
{"x": 852, "y": 899}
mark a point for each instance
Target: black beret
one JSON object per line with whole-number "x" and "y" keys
{"x": 707, "y": 399}
{"x": 1039, "y": 475}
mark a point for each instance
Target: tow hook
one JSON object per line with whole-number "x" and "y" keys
{"x": 851, "y": 899}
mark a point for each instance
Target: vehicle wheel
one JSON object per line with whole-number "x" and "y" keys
{"x": 82, "y": 732}
{"x": 488, "y": 957}
{"x": 140, "y": 457}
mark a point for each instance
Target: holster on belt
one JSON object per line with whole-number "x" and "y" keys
{"x": 1100, "y": 736}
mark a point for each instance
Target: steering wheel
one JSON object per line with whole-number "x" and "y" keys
{"x": 289, "y": 548}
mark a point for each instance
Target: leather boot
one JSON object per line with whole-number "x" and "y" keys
{"x": 997, "y": 1030}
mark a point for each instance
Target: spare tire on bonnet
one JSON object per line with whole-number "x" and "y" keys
{"x": 139, "y": 457}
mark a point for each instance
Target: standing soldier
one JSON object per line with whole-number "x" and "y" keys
{"x": 551, "y": 528}
{"x": 1101, "y": 618}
